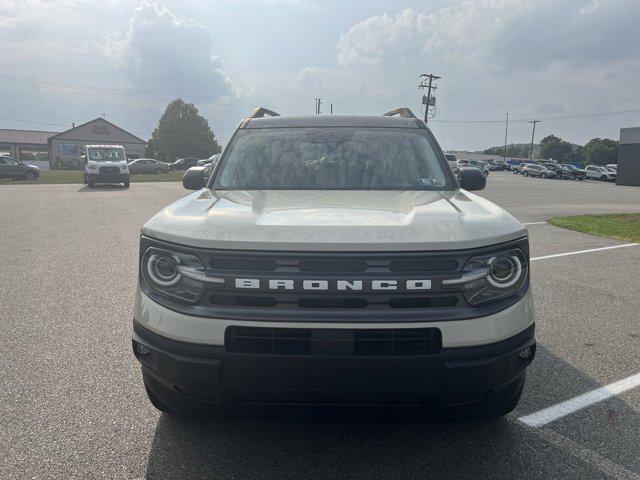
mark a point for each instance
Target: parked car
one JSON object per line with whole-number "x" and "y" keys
{"x": 17, "y": 170}
{"x": 148, "y": 165}
{"x": 453, "y": 163}
{"x": 213, "y": 159}
{"x": 597, "y": 172}
{"x": 183, "y": 163}
{"x": 500, "y": 165}
{"x": 484, "y": 167}
{"x": 516, "y": 169}
{"x": 537, "y": 171}
{"x": 574, "y": 172}
{"x": 558, "y": 169}
{"x": 486, "y": 164}
{"x": 246, "y": 294}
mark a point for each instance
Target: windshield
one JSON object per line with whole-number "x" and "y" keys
{"x": 105, "y": 154}
{"x": 326, "y": 158}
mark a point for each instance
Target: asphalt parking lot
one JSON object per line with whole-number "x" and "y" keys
{"x": 72, "y": 403}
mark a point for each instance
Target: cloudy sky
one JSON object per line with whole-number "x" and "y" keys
{"x": 72, "y": 60}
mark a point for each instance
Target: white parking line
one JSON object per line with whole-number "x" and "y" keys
{"x": 585, "y": 251}
{"x": 606, "y": 466}
{"x": 555, "y": 412}
{"x": 535, "y": 223}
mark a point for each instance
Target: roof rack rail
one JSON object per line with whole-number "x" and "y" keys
{"x": 404, "y": 112}
{"x": 261, "y": 112}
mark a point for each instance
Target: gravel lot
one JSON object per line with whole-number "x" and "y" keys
{"x": 72, "y": 403}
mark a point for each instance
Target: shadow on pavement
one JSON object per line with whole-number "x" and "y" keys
{"x": 101, "y": 188}
{"x": 372, "y": 448}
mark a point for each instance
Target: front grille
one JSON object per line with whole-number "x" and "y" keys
{"x": 329, "y": 287}
{"x": 345, "y": 301}
{"x": 109, "y": 170}
{"x": 359, "y": 342}
{"x": 332, "y": 263}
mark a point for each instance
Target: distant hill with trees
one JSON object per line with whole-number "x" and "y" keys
{"x": 518, "y": 150}
{"x": 599, "y": 151}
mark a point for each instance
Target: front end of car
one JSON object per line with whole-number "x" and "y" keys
{"x": 107, "y": 172}
{"x": 447, "y": 330}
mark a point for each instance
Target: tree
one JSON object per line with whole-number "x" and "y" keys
{"x": 515, "y": 150}
{"x": 601, "y": 151}
{"x": 182, "y": 132}
{"x": 554, "y": 147}
{"x": 576, "y": 155}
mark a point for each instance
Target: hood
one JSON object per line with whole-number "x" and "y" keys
{"x": 334, "y": 221}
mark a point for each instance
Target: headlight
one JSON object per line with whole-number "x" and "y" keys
{"x": 489, "y": 278}
{"x": 174, "y": 274}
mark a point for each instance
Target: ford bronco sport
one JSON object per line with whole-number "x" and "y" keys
{"x": 334, "y": 260}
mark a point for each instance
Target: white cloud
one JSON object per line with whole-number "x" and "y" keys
{"x": 508, "y": 34}
{"x": 167, "y": 54}
{"x": 312, "y": 76}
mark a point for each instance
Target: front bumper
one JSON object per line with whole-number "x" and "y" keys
{"x": 107, "y": 177}
{"x": 208, "y": 373}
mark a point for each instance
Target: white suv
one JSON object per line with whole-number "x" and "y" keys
{"x": 334, "y": 259}
{"x": 600, "y": 173}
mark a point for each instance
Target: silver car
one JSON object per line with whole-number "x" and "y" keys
{"x": 148, "y": 165}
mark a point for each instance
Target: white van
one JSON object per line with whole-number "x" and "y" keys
{"x": 105, "y": 164}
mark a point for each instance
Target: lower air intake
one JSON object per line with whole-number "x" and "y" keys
{"x": 358, "y": 342}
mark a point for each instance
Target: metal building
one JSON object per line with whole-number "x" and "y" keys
{"x": 67, "y": 147}
{"x": 629, "y": 157}
{"x": 62, "y": 150}
{"x": 30, "y": 146}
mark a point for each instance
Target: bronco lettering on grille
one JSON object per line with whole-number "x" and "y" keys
{"x": 332, "y": 285}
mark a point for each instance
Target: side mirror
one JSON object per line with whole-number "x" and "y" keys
{"x": 193, "y": 178}
{"x": 471, "y": 178}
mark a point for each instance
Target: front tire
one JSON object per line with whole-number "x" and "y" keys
{"x": 126, "y": 184}
{"x": 525, "y": 174}
{"x": 30, "y": 176}
{"x": 543, "y": 175}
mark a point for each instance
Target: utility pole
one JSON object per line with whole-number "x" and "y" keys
{"x": 318, "y": 103}
{"x": 532, "y": 135}
{"x": 331, "y": 108}
{"x": 429, "y": 86}
{"x": 506, "y": 129}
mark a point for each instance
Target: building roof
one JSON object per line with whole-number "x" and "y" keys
{"x": 334, "y": 121}
{"x": 38, "y": 137}
{"x": 98, "y": 119}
